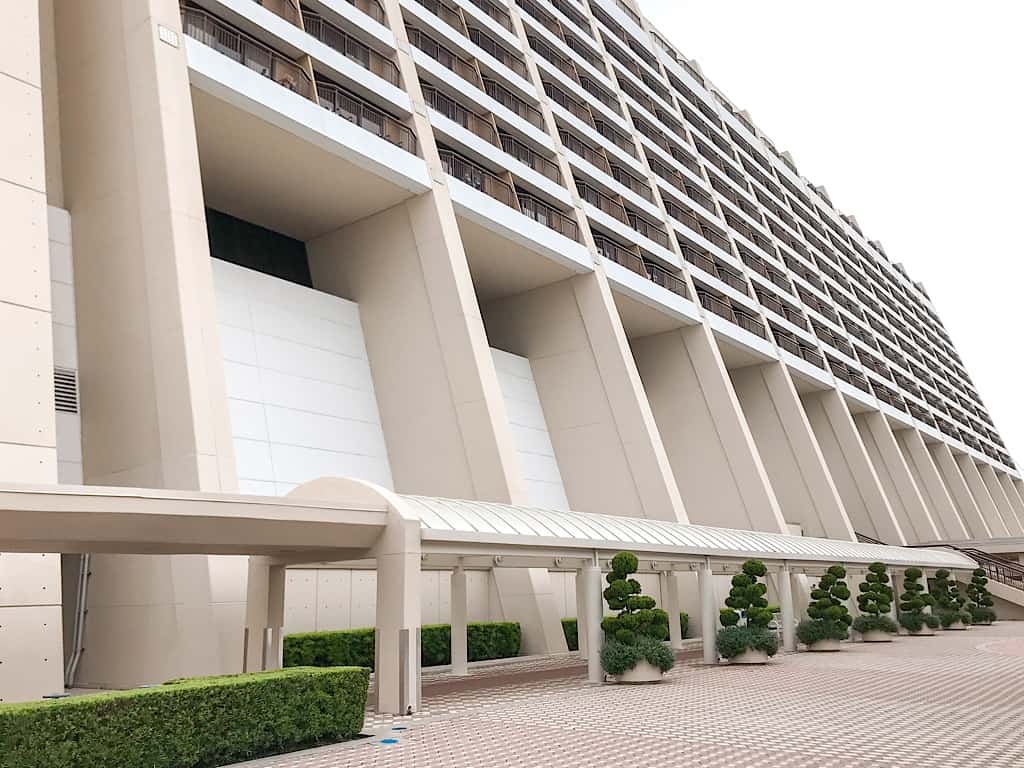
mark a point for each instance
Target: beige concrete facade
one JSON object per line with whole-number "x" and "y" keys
{"x": 466, "y": 185}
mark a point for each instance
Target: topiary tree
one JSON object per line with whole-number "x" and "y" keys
{"x": 913, "y": 602}
{"x": 828, "y": 618}
{"x": 636, "y": 633}
{"x": 746, "y": 616}
{"x": 950, "y": 605}
{"x": 875, "y": 602}
{"x": 981, "y": 601}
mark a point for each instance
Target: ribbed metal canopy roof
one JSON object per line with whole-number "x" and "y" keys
{"x": 491, "y": 523}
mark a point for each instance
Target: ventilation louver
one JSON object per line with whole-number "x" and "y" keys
{"x": 65, "y": 389}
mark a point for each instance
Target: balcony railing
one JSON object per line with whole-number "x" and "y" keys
{"x": 372, "y": 8}
{"x": 211, "y": 31}
{"x": 564, "y": 100}
{"x": 631, "y": 182}
{"x": 647, "y": 229}
{"x": 714, "y": 304}
{"x": 673, "y": 282}
{"x": 617, "y": 138}
{"x": 750, "y": 322}
{"x": 366, "y": 116}
{"x": 446, "y": 12}
{"x": 467, "y": 118}
{"x": 357, "y": 50}
{"x": 553, "y": 57}
{"x": 487, "y": 44}
{"x": 286, "y": 9}
{"x": 550, "y": 217}
{"x": 478, "y": 177}
{"x": 509, "y": 100}
{"x": 579, "y": 147}
{"x": 599, "y": 199}
{"x": 446, "y": 58}
{"x": 495, "y": 11}
{"x": 529, "y": 156}
{"x": 618, "y": 254}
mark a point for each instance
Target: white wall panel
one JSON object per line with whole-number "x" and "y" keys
{"x": 298, "y": 381}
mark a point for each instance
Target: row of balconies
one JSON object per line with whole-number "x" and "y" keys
{"x": 630, "y": 258}
{"x": 796, "y": 346}
{"x": 736, "y": 313}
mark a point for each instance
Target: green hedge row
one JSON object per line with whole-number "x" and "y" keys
{"x": 572, "y": 634}
{"x": 354, "y": 647}
{"x": 193, "y": 723}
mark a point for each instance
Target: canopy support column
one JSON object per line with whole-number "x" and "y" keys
{"x": 709, "y": 618}
{"x": 593, "y": 613}
{"x": 786, "y": 603}
{"x": 459, "y": 608}
{"x": 670, "y": 598}
{"x": 581, "y": 613}
{"x": 397, "y": 667}
{"x": 274, "y": 638}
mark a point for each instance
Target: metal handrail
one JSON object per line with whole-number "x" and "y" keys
{"x": 600, "y": 200}
{"x": 579, "y": 147}
{"x": 553, "y": 57}
{"x": 366, "y": 116}
{"x": 478, "y": 177}
{"x": 490, "y": 46}
{"x": 564, "y": 100}
{"x": 631, "y": 182}
{"x": 549, "y": 216}
{"x": 615, "y": 252}
{"x": 529, "y": 156}
{"x": 714, "y": 304}
{"x": 495, "y": 12}
{"x": 286, "y": 9}
{"x": 354, "y": 49}
{"x": 444, "y": 56}
{"x": 447, "y": 13}
{"x": 372, "y": 8}
{"x": 225, "y": 39}
{"x": 647, "y": 229}
{"x": 511, "y": 101}
{"x": 661, "y": 276}
{"x": 617, "y": 138}
{"x": 467, "y": 118}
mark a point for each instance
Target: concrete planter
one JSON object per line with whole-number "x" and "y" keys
{"x": 750, "y": 657}
{"x": 924, "y": 631}
{"x": 643, "y": 672}
{"x": 876, "y": 636}
{"x": 957, "y": 626}
{"x": 827, "y": 645}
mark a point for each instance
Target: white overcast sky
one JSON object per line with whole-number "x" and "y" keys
{"x": 910, "y": 113}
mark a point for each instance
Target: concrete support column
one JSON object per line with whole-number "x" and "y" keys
{"x": 709, "y": 613}
{"x": 397, "y": 651}
{"x": 959, "y": 491}
{"x": 909, "y": 506}
{"x": 274, "y": 658}
{"x": 982, "y": 496}
{"x": 670, "y": 600}
{"x": 1016, "y": 502}
{"x": 929, "y": 482}
{"x": 786, "y": 604}
{"x": 713, "y": 455}
{"x": 864, "y": 498}
{"x": 591, "y": 621}
{"x": 459, "y": 609}
{"x": 790, "y": 452}
{"x": 581, "y": 609}
{"x": 995, "y": 489}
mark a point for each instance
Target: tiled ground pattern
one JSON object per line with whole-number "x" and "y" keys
{"x": 952, "y": 700}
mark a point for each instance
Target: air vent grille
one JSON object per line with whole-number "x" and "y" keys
{"x": 65, "y": 389}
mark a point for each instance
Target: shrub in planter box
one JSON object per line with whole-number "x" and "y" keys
{"x": 572, "y": 635}
{"x": 637, "y": 632}
{"x": 977, "y": 592}
{"x": 913, "y": 601}
{"x": 875, "y": 602}
{"x": 950, "y": 605}
{"x": 191, "y": 723}
{"x": 828, "y": 619}
{"x": 746, "y": 617}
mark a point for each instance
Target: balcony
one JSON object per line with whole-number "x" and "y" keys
{"x": 619, "y": 139}
{"x": 365, "y": 115}
{"x": 567, "y": 102}
{"x": 510, "y": 101}
{"x": 669, "y": 280}
{"x": 648, "y": 229}
{"x": 606, "y": 203}
{"x": 550, "y": 217}
{"x": 354, "y": 49}
{"x": 577, "y": 146}
{"x": 446, "y": 58}
{"x": 236, "y": 45}
{"x": 487, "y": 44}
{"x": 286, "y": 9}
{"x": 472, "y": 121}
{"x": 630, "y": 259}
{"x": 541, "y": 16}
{"x": 553, "y": 57}
{"x": 478, "y": 177}
{"x": 496, "y": 12}
{"x": 529, "y": 156}
{"x": 721, "y": 306}
{"x": 448, "y": 13}
{"x": 632, "y": 183}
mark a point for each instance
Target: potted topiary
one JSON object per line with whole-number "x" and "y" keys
{"x": 950, "y": 605}
{"x": 875, "y": 602}
{"x": 634, "y": 651}
{"x": 913, "y": 601}
{"x": 981, "y": 601}
{"x": 745, "y": 637}
{"x": 828, "y": 619}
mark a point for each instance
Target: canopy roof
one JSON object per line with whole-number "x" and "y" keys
{"x": 478, "y": 522}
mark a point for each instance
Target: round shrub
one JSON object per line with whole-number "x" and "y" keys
{"x": 638, "y": 624}
{"x": 828, "y": 618}
{"x": 868, "y": 622}
{"x": 950, "y": 605}
{"x": 913, "y": 602}
{"x": 746, "y": 616}
{"x": 980, "y": 600}
{"x": 875, "y": 601}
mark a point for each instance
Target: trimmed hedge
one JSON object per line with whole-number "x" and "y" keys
{"x": 572, "y": 633}
{"x": 194, "y": 723}
{"x": 355, "y": 647}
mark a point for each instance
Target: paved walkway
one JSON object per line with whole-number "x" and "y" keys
{"x": 952, "y": 700}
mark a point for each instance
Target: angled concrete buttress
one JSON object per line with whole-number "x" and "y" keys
{"x": 929, "y": 482}
{"x": 1002, "y": 502}
{"x": 959, "y": 491}
{"x": 982, "y": 495}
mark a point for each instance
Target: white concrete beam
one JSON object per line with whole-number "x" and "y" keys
{"x": 929, "y": 482}
{"x": 982, "y": 497}
{"x": 1002, "y": 502}
{"x": 953, "y": 478}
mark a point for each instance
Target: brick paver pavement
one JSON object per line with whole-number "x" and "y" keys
{"x": 956, "y": 699}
